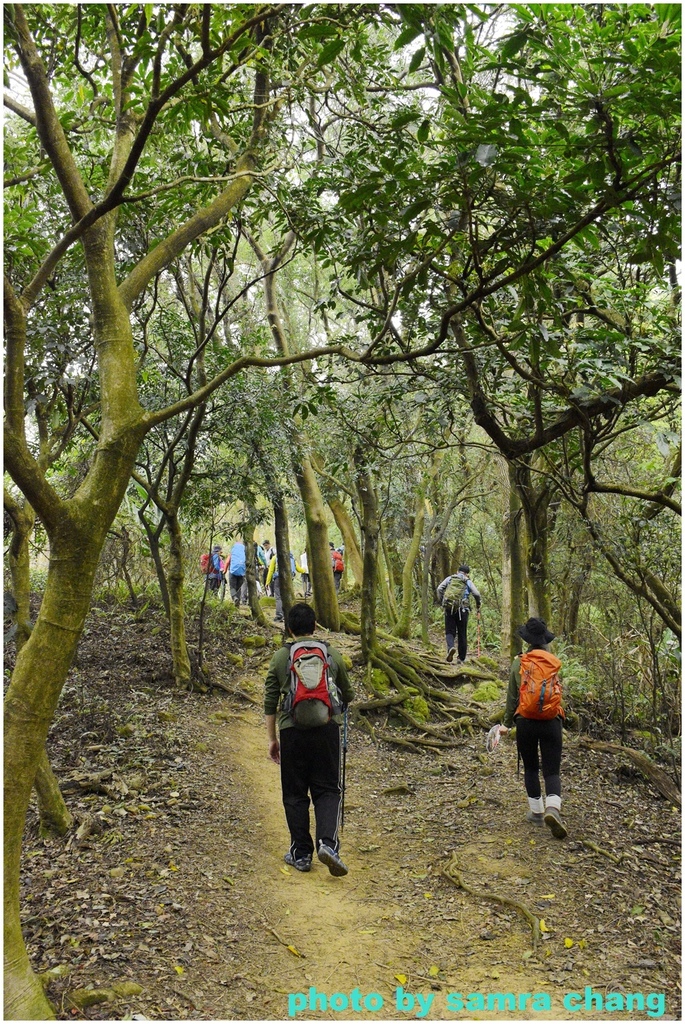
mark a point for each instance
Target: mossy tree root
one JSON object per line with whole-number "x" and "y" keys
{"x": 452, "y": 871}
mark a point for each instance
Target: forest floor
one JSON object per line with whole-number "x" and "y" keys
{"x": 173, "y": 877}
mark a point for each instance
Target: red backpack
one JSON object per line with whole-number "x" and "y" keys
{"x": 313, "y": 696}
{"x": 205, "y": 563}
{"x": 540, "y": 691}
{"x": 338, "y": 564}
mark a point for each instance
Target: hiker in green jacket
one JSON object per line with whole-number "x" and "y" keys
{"x": 309, "y": 757}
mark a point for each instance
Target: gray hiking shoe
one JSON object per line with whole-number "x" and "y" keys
{"x": 554, "y": 823}
{"x": 301, "y": 864}
{"x": 450, "y": 654}
{"x": 536, "y": 817}
{"x": 332, "y": 861}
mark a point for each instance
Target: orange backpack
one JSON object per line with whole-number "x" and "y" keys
{"x": 540, "y": 691}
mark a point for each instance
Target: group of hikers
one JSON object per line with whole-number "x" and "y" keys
{"x": 232, "y": 570}
{"x": 307, "y": 691}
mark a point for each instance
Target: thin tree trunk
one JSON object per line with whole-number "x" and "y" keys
{"x": 252, "y": 596}
{"x": 353, "y": 555}
{"x": 513, "y": 569}
{"x": 177, "y": 624}
{"x": 153, "y": 536}
{"x": 325, "y": 598}
{"x": 285, "y": 581}
{"x": 403, "y": 627}
{"x": 370, "y": 533}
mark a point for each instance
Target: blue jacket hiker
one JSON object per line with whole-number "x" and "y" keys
{"x": 236, "y": 569}
{"x": 309, "y": 754}
{"x": 454, "y": 594}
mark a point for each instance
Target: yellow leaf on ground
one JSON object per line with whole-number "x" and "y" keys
{"x": 179, "y": 970}
{"x": 284, "y": 870}
{"x": 402, "y": 978}
{"x": 434, "y": 971}
{"x": 428, "y": 895}
{"x": 551, "y": 896}
{"x": 582, "y": 944}
{"x": 295, "y": 952}
{"x": 568, "y": 943}
{"x": 543, "y": 926}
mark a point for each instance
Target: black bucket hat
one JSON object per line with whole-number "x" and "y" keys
{"x": 535, "y": 632}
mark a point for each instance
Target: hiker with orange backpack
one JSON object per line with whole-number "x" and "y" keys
{"x": 534, "y": 706}
{"x": 306, "y": 691}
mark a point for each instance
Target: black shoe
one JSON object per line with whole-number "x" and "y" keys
{"x": 450, "y": 654}
{"x": 301, "y": 864}
{"x": 332, "y": 861}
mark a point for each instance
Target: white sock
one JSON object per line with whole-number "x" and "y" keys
{"x": 536, "y": 804}
{"x": 554, "y": 801}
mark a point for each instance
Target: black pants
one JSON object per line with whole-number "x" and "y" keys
{"x": 456, "y": 624}
{"x": 531, "y": 734}
{"x": 310, "y": 764}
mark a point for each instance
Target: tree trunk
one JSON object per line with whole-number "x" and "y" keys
{"x": 403, "y": 627}
{"x": 177, "y": 624}
{"x": 55, "y": 816}
{"x": 153, "y": 536}
{"x": 535, "y": 503}
{"x": 353, "y": 555}
{"x": 370, "y": 532}
{"x": 513, "y": 570}
{"x": 30, "y": 705}
{"x": 23, "y": 520}
{"x": 283, "y": 554}
{"x": 319, "y": 553}
{"x": 388, "y": 575}
{"x": 252, "y": 595}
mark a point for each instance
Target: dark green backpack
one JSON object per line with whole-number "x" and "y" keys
{"x": 456, "y": 595}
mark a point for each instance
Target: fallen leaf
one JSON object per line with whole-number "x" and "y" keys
{"x": 568, "y": 943}
{"x": 434, "y": 971}
{"x": 284, "y": 870}
{"x": 550, "y": 897}
{"x": 402, "y": 978}
{"x": 295, "y": 952}
{"x": 543, "y": 926}
{"x": 178, "y": 969}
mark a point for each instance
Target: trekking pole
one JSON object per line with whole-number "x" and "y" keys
{"x": 343, "y": 754}
{"x": 478, "y": 634}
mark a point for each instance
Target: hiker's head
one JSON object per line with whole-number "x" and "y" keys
{"x": 466, "y": 569}
{"x": 301, "y": 620}
{"x": 266, "y": 544}
{"x": 217, "y": 548}
{"x": 535, "y": 632}
{"x": 331, "y": 545}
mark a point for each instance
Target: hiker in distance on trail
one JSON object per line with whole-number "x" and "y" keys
{"x": 454, "y": 594}
{"x": 309, "y": 681}
{"x": 534, "y": 706}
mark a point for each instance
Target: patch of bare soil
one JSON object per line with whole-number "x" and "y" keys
{"x": 175, "y": 881}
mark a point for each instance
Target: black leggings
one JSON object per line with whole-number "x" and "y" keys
{"x": 530, "y": 733}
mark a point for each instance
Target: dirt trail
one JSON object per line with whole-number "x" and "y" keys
{"x": 394, "y": 921}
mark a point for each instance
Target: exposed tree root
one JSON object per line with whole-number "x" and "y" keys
{"x": 452, "y": 871}
{"x": 598, "y": 849}
{"x": 663, "y": 782}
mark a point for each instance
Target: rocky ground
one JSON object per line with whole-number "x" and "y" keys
{"x": 170, "y": 900}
